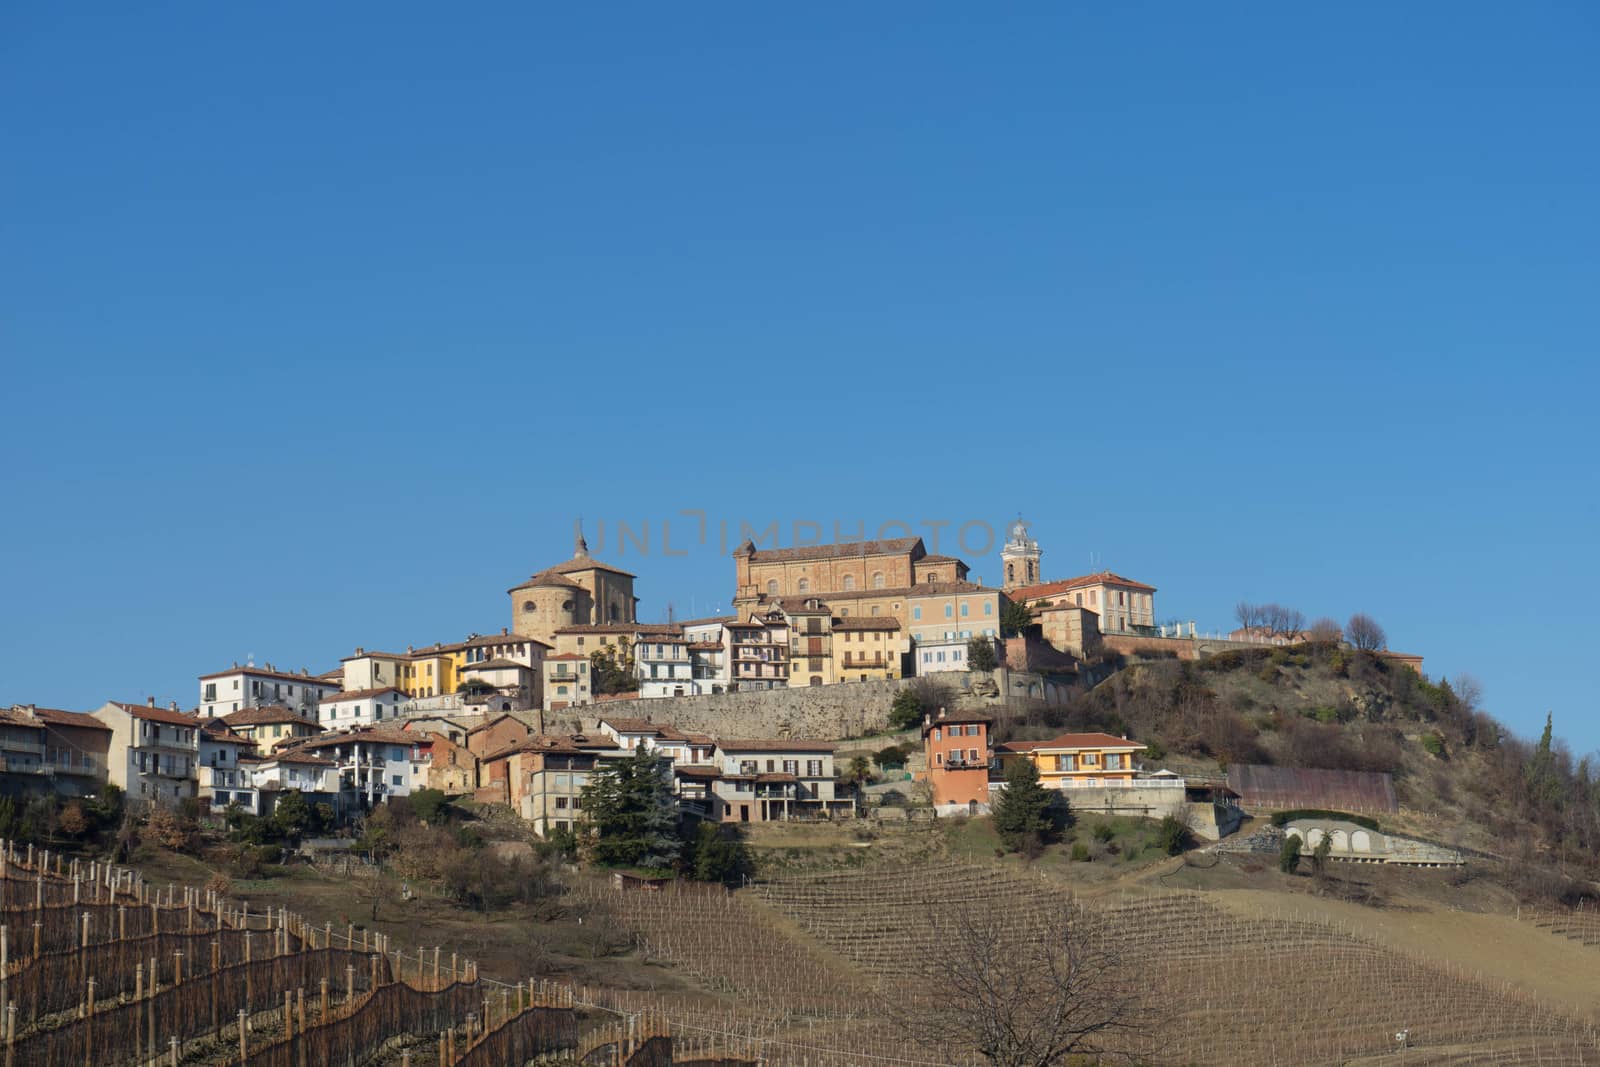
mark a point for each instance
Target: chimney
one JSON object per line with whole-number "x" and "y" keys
{"x": 150, "y": 702}
{"x": 941, "y": 713}
{"x": 360, "y": 651}
{"x": 172, "y": 705}
{"x": 504, "y": 630}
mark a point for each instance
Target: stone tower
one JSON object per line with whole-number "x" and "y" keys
{"x": 1019, "y": 558}
{"x": 579, "y": 592}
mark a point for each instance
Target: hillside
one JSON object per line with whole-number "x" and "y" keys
{"x": 1467, "y": 778}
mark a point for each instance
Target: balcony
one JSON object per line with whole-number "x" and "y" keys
{"x": 21, "y": 748}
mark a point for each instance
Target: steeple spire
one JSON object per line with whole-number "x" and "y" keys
{"x": 580, "y": 547}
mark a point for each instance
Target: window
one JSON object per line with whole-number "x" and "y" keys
{"x": 791, "y": 766}
{"x": 963, "y": 611}
{"x": 396, "y": 780}
{"x": 848, "y": 583}
{"x": 1113, "y": 761}
{"x": 772, "y": 587}
{"x": 804, "y": 585}
{"x": 949, "y": 611}
{"x": 877, "y": 579}
{"x": 972, "y": 755}
{"x": 988, "y": 607}
{"x": 211, "y": 691}
{"x": 813, "y": 768}
{"x": 561, "y": 803}
{"x": 916, "y": 611}
{"x": 1066, "y": 763}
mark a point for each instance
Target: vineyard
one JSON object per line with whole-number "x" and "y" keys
{"x": 97, "y": 966}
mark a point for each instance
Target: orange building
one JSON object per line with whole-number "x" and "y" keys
{"x": 957, "y": 748}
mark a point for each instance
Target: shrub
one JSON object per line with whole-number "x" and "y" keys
{"x": 1433, "y": 745}
{"x": 906, "y": 711}
{"x": 1155, "y": 750}
{"x": 1173, "y": 835}
{"x": 1283, "y": 818}
{"x": 1104, "y": 833}
{"x": 1080, "y": 852}
{"x": 429, "y": 804}
{"x": 1289, "y": 855}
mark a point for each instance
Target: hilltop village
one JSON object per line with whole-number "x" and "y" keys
{"x": 744, "y": 712}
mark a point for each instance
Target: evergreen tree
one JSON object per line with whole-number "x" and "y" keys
{"x": 906, "y": 711}
{"x": 720, "y": 855}
{"x": 980, "y": 655}
{"x": 1014, "y": 618}
{"x": 629, "y": 809}
{"x": 1022, "y": 815}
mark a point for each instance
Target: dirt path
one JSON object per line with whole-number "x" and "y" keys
{"x": 1562, "y": 973}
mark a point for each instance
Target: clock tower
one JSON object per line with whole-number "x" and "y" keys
{"x": 1019, "y": 558}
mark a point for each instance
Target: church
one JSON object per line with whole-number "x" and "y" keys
{"x": 580, "y": 592}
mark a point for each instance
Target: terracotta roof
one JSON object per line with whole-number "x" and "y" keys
{"x": 378, "y": 735}
{"x": 940, "y": 559}
{"x": 18, "y": 717}
{"x": 59, "y": 717}
{"x": 696, "y": 771}
{"x": 575, "y": 565}
{"x": 1103, "y": 578}
{"x": 1072, "y": 741}
{"x": 644, "y": 726}
{"x": 775, "y": 777}
{"x": 708, "y": 620}
{"x": 776, "y": 745}
{"x": 1064, "y": 605}
{"x": 865, "y": 622}
{"x": 705, "y": 646}
{"x": 546, "y": 579}
{"x": 565, "y": 656}
{"x": 911, "y": 592}
{"x": 611, "y": 628}
{"x": 262, "y": 672}
{"x": 891, "y": 547}
{"x": 360, "y": 694}
{"x": 579, "y": 564}
{"x": 493, "y": 721}
{"x": 367, "y": 653}
{"x": 661, "y": 631}
{"x": 563, "y": 744}
{"x": 269, "y": 713}
{"x": 297, "y": 757}
{"x": 217, "y": 731}
{"x": 166, "y": 715}
{"x": 498, "y": 664}
{"x": 958, "y": 720}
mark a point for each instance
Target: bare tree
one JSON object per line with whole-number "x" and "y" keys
{"x": 1283, "y": 621}
{"x": 1469, "y": 692}
{"x": 1026, "y": 989}
{"x": 1365, "y": 633}
{"x": 1326, "y": 631}
{"x": 1250, "y": 616}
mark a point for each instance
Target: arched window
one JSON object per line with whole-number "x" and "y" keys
{"x": 772, "y": 587}
{"x": 849, "y": 583}
{"x": 1030, "y": 570}
{"x": 804, "y": 585}
{"x": 529, "y": 607}
{"x": 1011, "y": 572}
{"x": 615, "y": 612}
{"x": 877, "y": 579}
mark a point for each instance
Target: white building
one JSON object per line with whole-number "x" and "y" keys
{"x": 363, "y": 707}
{"x": 152, "y": 751}
{"x": 252, "y": 687}
{"x": 758, "y": 781}
{"x": 375, "y": 762}
{"x": 938, "y": 655}
{"x": 220, "y": 778}
{"x": 661, "y": 663}
{"x": 686, "y": 750}
{"x": 707, "y": 642}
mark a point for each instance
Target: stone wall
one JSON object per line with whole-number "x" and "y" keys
{"x": 829, "y": 712}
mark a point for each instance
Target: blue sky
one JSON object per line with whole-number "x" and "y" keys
{"x": 321, "y": 324}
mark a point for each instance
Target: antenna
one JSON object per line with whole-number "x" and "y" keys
{"x": 249, "y": 659}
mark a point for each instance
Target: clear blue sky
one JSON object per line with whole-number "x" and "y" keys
{"x": 321, "y": 323}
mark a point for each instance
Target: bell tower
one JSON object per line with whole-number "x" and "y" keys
{"x": 1019, "y": 558}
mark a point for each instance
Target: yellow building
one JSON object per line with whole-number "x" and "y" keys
{"x": 866, "y": 648}
{"x": 1075, "y": 760}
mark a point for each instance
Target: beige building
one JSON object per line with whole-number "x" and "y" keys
{"x": 765, "y": 575}
{"x": 152, "y": 751}
{"x": 1123, "y": 605}
{"x": 270, "y": 728}
{"x": 581, "y": 591}
{"x": 1068, "y": 627}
